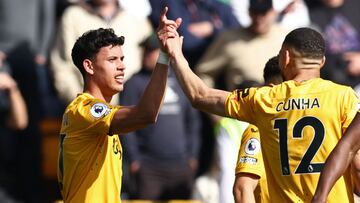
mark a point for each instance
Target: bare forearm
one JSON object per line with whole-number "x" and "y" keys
{"x": 334, "y": 168}
{"x": 201, "y": 96}
{"x": 356, "y": 172}
{"x": 153, "y": 95}
{"x": 244, "y": 188}
{"x": 131, "y": 118}
{"x": 339, "y": 160}
{"x": 244, "y": 196}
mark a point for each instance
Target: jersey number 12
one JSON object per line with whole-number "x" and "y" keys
{"x": 305, "y": 165}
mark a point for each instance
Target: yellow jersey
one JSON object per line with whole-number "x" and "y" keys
{"x": 299, "y": 123}
{"x": 90, "y": 160}
{"x": 250, "y": 160}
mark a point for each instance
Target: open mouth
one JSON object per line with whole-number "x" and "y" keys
{"x": 119, "y": 79}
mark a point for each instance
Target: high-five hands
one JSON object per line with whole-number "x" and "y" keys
{"x": 167, "y": 33}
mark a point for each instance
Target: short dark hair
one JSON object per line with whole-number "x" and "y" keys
{"x": 307, "y": 41}
{"x": 272, "y": 70}
{"x": 89, "y": 44}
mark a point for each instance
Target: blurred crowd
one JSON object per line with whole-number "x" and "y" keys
{"x": 185, "y": 155}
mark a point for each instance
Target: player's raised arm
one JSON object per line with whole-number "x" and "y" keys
{"x": 338, "y": 161}
{"x": 201, "y": 96}
{"x": 146, "y": 111}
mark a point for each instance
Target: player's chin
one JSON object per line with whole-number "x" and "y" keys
{"x": 119, "y": 88}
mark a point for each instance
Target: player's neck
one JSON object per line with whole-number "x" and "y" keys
{"x": 97, "y": 93}
{"x": 306, "y": 74}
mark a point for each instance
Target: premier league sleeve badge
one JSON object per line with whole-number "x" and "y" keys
{"x": 252, "y": 146}
{"x": 99, "y": 110}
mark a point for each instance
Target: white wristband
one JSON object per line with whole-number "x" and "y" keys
{"x": 163, "y": 58}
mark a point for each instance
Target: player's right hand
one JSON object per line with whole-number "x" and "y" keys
{"x": 167, "y": 28}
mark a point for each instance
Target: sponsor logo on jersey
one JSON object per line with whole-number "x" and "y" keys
{"x": 252, "y": 146}
{"x": 248, "y": 160}
{"x": 116, "y": 147}
{"x": 99, "y": 109}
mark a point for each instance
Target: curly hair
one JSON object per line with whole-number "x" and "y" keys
{"x": 90, "y": 43}
{"x": 307, "y": 41}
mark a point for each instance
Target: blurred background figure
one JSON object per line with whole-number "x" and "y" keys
{"x": 13, "y": 118}
{"x": 228, "y": 134}
{"x": 238, "y": 55}
{"x": 215, "y": 186}
{"x": 140, "y": 8}
{"x": 26, "y": 31}
{"x": 87, "y": 15}
{"x": 163, "y": 157}
{"x": 206, "y": 187}
{"x": 291, "y": 13}
{"x": 202, "y": 21}
{"x": 338, "y": 20}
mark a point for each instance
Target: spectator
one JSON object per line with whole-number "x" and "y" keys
{"x": 163, "y": 156}
{"x": 26, "y": 30}
{"x": 13, "y": 118}
{"x": 141, "y": 9}
{"x": 228, "y": 133}
{"x": 338, "y": 22}
{"x": 202, "y": 21}
{"x": 291, "y": 13}
{"x": 239, "y": 54}
{"x": 206, "y": 187}
{"x": 91, "y": 15}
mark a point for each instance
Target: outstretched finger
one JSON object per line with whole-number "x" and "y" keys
{"x": 164, "y": 21}
{"x": 163, "y": 14}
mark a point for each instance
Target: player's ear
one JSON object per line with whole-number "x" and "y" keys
{"x": 87, "y": 63}
{"x": 287, "y": 57}
{"x": 322, "y": 62}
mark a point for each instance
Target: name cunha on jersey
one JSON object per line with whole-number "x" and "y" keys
{"x": 298, "y": 104}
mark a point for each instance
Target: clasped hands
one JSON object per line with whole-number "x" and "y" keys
{"x": 170, "y": 41}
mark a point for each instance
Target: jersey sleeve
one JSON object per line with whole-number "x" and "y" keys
{"x": 250, "y": 158}
{"x": 351, "y": 107}
{"x": 93, "y": 116}
{"x": 240, "y": 104}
